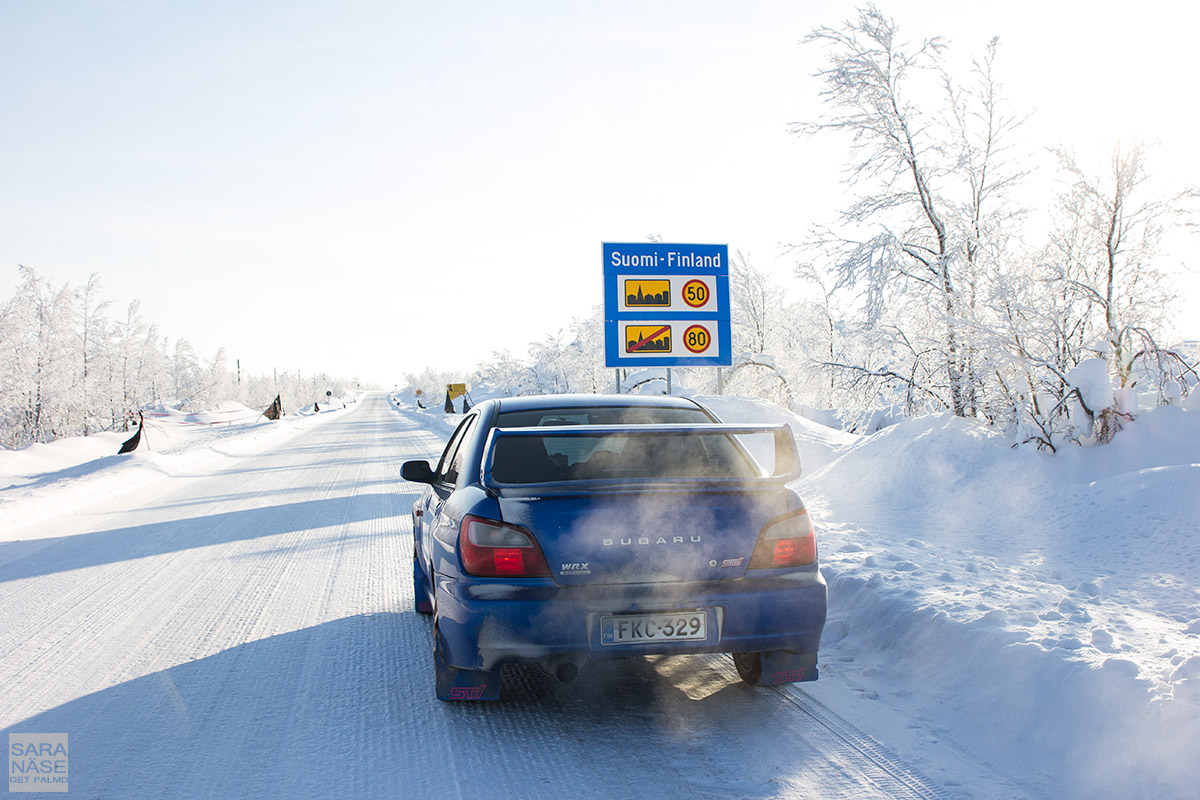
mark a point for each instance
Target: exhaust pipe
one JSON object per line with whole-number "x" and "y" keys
{"x": 565, "y": 667}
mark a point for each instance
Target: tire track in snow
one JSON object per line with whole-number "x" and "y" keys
{"x": 152, "y": 590}
{"x": 874, "y": 762}
{"x": 93, "y": 595}
{"x": 327, "y": 569}
{"x": 244, "y": 623}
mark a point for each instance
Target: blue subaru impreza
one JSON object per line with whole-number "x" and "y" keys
{"x": 560, "y": 529}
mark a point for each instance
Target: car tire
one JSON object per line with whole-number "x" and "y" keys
{"x": 421, "y": 602}
{"x": 749, "y": 667}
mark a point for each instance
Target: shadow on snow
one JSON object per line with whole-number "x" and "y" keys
{"x": 142, "y": 541}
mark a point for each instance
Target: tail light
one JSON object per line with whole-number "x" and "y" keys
{"x": 492, "y": 549}
{"x": 786, "y": 541}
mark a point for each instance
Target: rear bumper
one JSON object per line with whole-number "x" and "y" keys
{"x": 488, "y": 623}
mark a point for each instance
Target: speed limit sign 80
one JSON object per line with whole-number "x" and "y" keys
{"x": 697, "y": 339}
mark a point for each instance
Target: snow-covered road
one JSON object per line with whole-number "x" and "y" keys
{"x": 248, "y": 634}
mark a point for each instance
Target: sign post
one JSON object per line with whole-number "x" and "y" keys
{"x": 666, "y": 305}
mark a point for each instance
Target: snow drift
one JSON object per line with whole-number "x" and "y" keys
{"x": 1045, "y": 609}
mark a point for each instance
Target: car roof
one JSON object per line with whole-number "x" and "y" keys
{"x": 556, "y": 401}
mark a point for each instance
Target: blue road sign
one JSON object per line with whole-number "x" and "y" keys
{"x": 666, "y": 305}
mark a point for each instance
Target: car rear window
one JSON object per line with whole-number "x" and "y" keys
{"x": 602, "y": 415}
{"x": 544, "y": 459}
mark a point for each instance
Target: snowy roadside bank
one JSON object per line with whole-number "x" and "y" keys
{"x": 45, "y": 480}
{"x": 1043, "y": 611}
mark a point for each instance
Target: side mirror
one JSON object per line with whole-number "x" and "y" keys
{"x": 416, "y": 471}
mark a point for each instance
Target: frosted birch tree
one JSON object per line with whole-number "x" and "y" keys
{"x": 37, "y": 329}
{"x": 925, "y": 172}
{"x": 66, "y": 369}
{"x": 93, "y": 354}
{"x": 1104, "y": 252}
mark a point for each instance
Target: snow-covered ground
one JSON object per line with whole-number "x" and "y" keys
{"x": 45, "y": 480}
{"x": 1043, "y": 610}
{"x": 1035, "y": 615}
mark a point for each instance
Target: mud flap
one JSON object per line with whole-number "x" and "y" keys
{"x": 420, "y": 596}
{"x": 780, "y": 666}
{"x": 453, "y": 683}
{"x": 467, "y": 684}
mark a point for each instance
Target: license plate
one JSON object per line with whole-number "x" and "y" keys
{"x": 640, "y": 628}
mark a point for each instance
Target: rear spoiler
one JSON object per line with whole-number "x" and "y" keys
{"x": 786, "y": 458}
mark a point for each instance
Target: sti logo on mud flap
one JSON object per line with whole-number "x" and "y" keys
{"x": 467, "y": 693}
{"x": 644, "y": 540}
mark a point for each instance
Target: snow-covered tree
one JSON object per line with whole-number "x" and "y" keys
{"x": 37, "y": 344}
{"x": 959, "y": 306}
{"x": 929, "y": 178}
{"x": 1105, "y": 278}
{"x": 92, "y": 326}
{"x": 1114, "y": 226}
{"x": 66, "y": 369}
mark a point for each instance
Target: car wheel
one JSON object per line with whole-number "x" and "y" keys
{"x": 420, "y": 595}
{"x": 749, "y": 667}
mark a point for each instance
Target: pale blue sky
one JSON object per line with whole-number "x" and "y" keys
{"x": 310, "y": 184}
